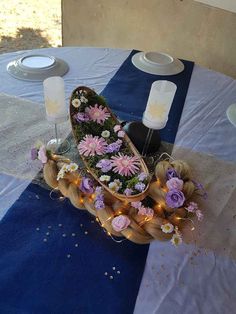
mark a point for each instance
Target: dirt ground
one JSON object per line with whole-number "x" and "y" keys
{"x": 27, "y": 24}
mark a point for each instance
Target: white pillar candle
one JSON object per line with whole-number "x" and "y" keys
{"x": 159, "y": 103}
{"x": 54, "y": 97}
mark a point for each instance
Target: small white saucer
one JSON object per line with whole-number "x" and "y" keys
{"x": 157, "y": 63}
{"x": 231, "y": 114}
{"x": 37, "y": 67}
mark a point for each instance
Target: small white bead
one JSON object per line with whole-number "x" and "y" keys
{"x": 64, "y": 235}
{"x": 118, "y": 272}
{"x": 86, "y": 232}
{"x": 37, "y": 229}
{"x": 49, "y": 227}
{"x": 113, "y": 268}
{"x": 45, "y": 240}
{"x": 68, "y": 255}
{"x": 106, "y": 273}
{"x": 47, "y": 233}
{"x": 81, "y": 225}
{"x": 73, "y": 234}
{"x": 76, "y": 244}
{"x": 111, "y": 277}
{"x": 59, "y": 225}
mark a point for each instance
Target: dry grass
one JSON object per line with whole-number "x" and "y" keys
{"x": 27, "y": 24}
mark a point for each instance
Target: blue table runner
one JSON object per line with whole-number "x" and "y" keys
{"x": 127, "y": 94}
{"x": 53, "y": 257}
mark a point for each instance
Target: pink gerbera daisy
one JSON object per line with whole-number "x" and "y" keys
{"x": 125, "y": 165}
{"x": 91, "y": 146}
{"x": 98, "y": 114}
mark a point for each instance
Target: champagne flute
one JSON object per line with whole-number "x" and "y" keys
{"x": 56, "y": 111}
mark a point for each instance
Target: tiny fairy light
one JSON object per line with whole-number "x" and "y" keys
{"x": 81, "y": 200}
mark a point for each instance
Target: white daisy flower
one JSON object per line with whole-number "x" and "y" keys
{"x": 113, "y": 186}
{"x": 167, "y": 228}
{"x": 72, "y": 167}
{"x": 176, "y": 239}
{"x": 105, "y": 134}
{"x": 83, "y": 99}
{"x": 105, "y": 178}
{"x": 76, "y": 103}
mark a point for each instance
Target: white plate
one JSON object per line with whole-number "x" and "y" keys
{"x": 37, "y": 67}
{"x": 157, "y": 63}
{"x": 231, "y": 114}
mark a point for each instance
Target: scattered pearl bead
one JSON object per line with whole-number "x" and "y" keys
{"x": 59, "y": 225}
{"x": 81, "y": 225}
{"x": 68, "y": 255}
{"x": 86, "y": 232}
{"x": 45, "y": 240}
{"x": 49, "y": 227}
{"x": 106, "y": 273}
{"x": 37, "y": 229}
{"x": 111, "y": 277}
{"x": 47, "y": 233}
{"x": 118, "y": 272}
{"x": 64, "y": 235}
{"x": 113, "y": 268}
{"x": 76, "y": 244}
{"x": 73, "y": 234}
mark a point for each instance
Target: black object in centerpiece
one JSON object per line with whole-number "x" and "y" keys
{"x": 138, "y": 132}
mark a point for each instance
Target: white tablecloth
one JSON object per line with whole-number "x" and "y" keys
{"x": 183, "y": 280}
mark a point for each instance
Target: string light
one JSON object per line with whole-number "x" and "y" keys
{"x": 109, "y": 233}
{"x": 180, "y": 218}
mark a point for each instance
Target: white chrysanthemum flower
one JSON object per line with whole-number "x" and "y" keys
{"x": 118, "y": 183}
{"x": 176, "y": 239}
{"x": 105, "y": 178}
{"x": 72, "y": 167}
{"x": 113, "y": 186}
{"x": 105, "y": 134}
{"x": 76, "y": 103}
{"x": 167, "y": 228}
{"x": 83, "y": 99}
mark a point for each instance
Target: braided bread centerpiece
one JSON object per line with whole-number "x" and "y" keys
{"x": 161, "y": 215}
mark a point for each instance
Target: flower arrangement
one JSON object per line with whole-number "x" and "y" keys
{"x": 151, "y": 208}
{"x": 104, "y": 147}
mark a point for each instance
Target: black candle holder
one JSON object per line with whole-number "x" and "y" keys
{"x": 147, "y": 141}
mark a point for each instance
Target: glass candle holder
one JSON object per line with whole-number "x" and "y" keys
{"x": 56, "y": 111}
